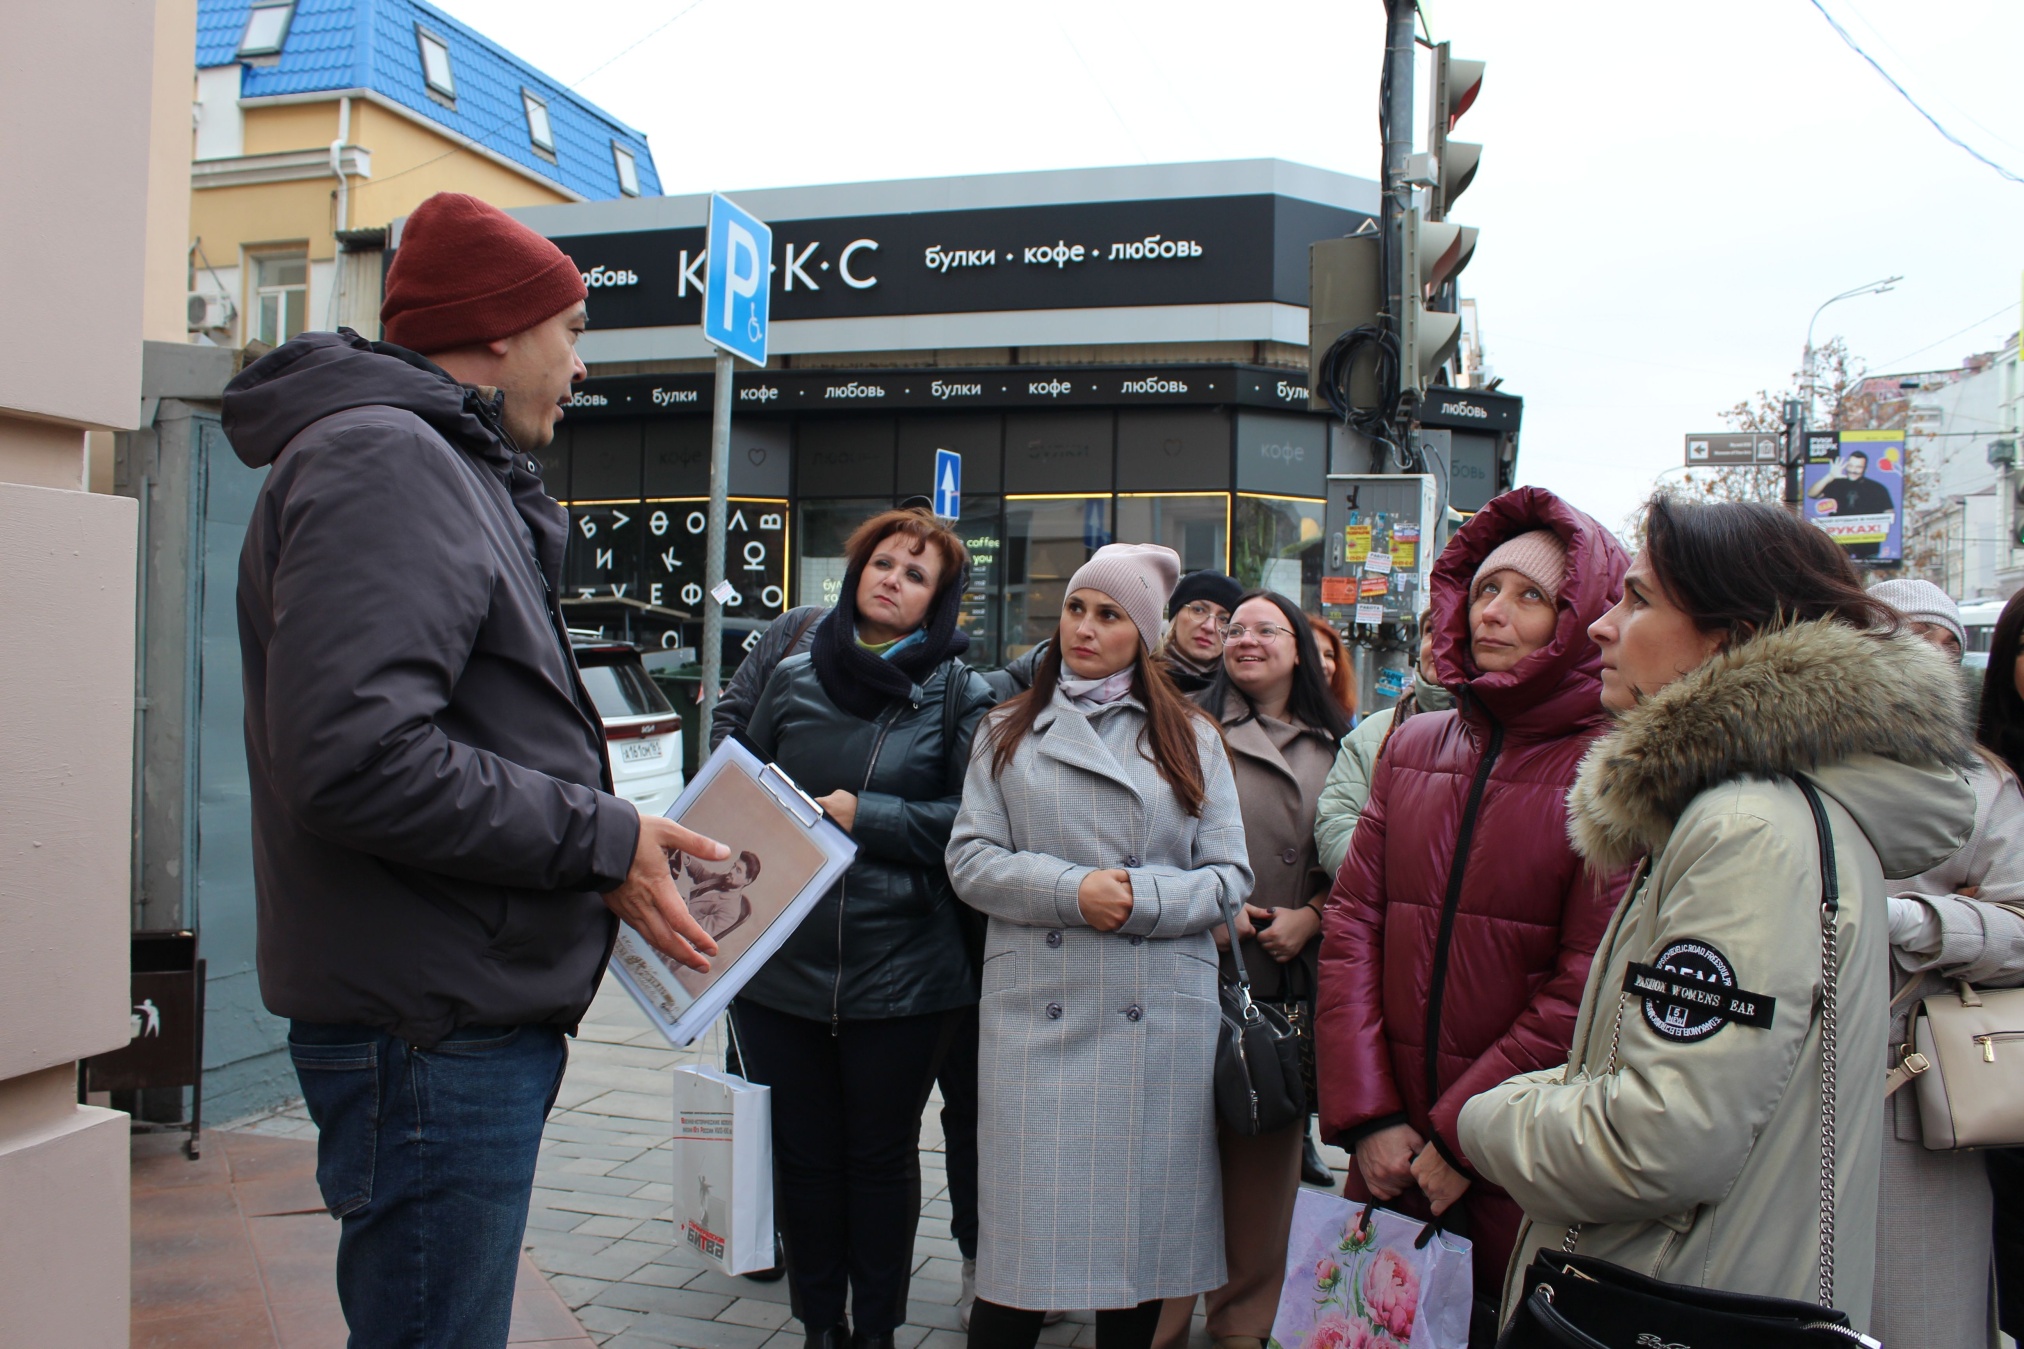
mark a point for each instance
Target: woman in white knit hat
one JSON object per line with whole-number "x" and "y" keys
{"x": 1100, "y": 831}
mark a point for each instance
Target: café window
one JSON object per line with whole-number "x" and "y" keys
{"x": 1046, "y": 538}
{"x": 823, "y": 527}
{"x": 1195, "y": 525}
{"x": 280, "y": 297}
{"x": 982, "y": 529}
{"x": 1276, "y": 545}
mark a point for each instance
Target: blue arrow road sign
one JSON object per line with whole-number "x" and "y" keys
{"x": 737, "y": 281}
{"x": 948, "y": 484}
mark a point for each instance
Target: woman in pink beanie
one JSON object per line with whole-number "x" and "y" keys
{"x": 1458, "y": 935}
{"x": 1100, "y": 830}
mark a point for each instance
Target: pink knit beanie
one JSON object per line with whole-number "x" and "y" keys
{"x": 1538, "y": 555}
{"x": 1139, "y": 576}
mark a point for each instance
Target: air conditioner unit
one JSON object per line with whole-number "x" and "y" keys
{"x": 210, "y": 312}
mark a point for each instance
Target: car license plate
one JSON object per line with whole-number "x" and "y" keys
{"x": 640, "y": 751}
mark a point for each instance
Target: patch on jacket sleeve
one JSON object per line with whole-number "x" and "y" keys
{"x": 1690, "y": 993}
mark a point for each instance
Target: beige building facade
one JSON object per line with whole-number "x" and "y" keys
{"x": 96, "y": 259}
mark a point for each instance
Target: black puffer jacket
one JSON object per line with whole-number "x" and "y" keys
{"x": 891, "y": 938}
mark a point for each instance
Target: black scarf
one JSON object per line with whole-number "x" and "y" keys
{"x": 865, "y": 684}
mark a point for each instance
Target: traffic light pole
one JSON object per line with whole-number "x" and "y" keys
{"x": 1397, "y": 201}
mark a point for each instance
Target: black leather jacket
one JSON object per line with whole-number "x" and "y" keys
{"x": 891, "y": 939}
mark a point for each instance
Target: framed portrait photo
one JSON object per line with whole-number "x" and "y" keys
{"x": 785, "y": 854}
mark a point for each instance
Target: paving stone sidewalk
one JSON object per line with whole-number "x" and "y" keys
{"x": 601, "y": 1225}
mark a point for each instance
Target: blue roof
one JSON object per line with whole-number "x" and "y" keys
{"x": 370, "y": 44}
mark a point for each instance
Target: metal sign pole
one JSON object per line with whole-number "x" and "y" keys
{"x": 713, "y": 555}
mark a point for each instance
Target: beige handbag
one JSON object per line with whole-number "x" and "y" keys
{"x": 1964, "y": 1052}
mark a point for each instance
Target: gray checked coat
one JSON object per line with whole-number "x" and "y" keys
{"x": 1097, "y": 1142}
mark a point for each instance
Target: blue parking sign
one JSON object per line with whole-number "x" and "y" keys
{"x": 737, "y": 281}
{"x": 948, "y": 484}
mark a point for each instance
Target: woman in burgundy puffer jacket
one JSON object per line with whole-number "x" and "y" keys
{"x": 1462, "y": 918}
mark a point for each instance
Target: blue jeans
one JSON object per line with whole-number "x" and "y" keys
{"x": 427, "y": 1157}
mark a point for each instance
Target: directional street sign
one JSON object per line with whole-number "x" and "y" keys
{"x": 1711, "y": 449}
{"x": 948, "y": 484}
{"x": 737, "y": 285}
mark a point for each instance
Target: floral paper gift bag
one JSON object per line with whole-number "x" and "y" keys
{"x": 1357, "y": 1282}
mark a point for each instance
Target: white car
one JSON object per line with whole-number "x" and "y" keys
{"x": 642, "y": 731}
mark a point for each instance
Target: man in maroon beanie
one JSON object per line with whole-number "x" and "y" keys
{"x": 438, "y": 855}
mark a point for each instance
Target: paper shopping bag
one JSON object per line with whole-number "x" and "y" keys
{"x": 724, "y": 1168}
{"x": 1369, "y": 1278}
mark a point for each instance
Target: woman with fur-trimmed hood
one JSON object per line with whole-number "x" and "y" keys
{"x": 1683, "y": 1139}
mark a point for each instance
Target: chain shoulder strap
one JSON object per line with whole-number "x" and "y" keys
{"x": 1830, "y": 972}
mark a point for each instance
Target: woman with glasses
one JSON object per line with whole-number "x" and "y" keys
{"x": 1459, "y": 933}
{"x": 1192, "y": 650}
{"x": 1281, "y": 724}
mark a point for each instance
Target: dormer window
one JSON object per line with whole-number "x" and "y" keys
{"x": 538, "y": 129}
{"x": 266, "y": 29}
{"x": 436, "y": 64}
{"x": 628, "y": 171}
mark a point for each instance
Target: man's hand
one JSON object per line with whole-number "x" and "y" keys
{"x": 647, "y": 900}
{"x": 841, "y": 807}
{"x": 1105, "y": 899}
{"x": 1386, "y": 1160}
{"x": 1442, "y": 1184}
{"x": 1288, "y": 932}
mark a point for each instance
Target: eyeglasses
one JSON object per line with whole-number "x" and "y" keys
{"x": 1268, "y": 633}
{"x": 1199, "y": 609}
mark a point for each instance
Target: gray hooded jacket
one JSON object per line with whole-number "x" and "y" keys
{"x": 432, "y": 813}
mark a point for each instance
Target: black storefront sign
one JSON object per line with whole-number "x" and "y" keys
{"x": 800, "y": 391}
{"x": 1197, "y": 250}
{"x": 1471, "y": 410}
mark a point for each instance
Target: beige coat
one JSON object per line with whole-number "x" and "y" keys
{"x": 1933, "y": 1289}
{"x": 1279, "y": 767}
{"x": 1691, "y": 1152}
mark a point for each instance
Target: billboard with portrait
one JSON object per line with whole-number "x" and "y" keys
{"x": 1855, "y": 490}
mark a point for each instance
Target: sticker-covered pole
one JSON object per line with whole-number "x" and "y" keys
{"x": 713, "y": 556}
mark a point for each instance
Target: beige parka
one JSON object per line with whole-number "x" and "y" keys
{"x": 1688, "y": 1146}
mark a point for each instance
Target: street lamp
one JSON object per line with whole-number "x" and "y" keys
{"x": 1796, "y": 428}
{"x": 1868, "y": 288}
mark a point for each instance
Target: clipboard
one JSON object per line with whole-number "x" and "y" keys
{"x": 785, "y": 855}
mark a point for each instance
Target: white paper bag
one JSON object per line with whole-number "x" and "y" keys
{"x": 724, "y": 1168}
{"x": 1370, "y": 1285}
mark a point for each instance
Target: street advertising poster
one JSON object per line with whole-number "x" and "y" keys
{"x": 1855, "y": 491}
{"x": 785, "y": 854}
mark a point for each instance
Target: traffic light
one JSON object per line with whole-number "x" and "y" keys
{"x": 1435, "y": 251}
{"x": 1456, "y": 84}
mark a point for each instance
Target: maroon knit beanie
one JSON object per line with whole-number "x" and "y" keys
{"x": 466, "y": 272}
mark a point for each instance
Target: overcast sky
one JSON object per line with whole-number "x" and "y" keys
{"x": 1666, "y": 192}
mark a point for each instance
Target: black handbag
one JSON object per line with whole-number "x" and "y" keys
{"x": 1298, "y": 1008}
{"x": 1258, "y": 1086}
{"x": 1579, "y": 1302}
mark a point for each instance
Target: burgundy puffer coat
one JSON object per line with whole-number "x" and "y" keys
{"x": 1462, "y": 914}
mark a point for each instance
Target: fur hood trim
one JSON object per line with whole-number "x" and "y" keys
{"x": 1790, "y": 701}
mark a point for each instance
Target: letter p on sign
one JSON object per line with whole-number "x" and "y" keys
{"x": 738, "y": 281}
